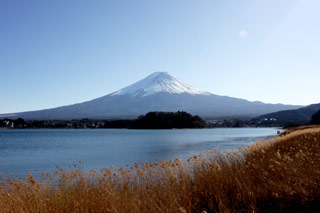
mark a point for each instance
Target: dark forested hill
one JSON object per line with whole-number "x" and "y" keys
{"x": 301, "y": 115}
{"x": 168, "y": 120}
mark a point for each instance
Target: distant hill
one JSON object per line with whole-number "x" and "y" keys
{"x": 159, "y": 91}
{"x": 303, "y": 114}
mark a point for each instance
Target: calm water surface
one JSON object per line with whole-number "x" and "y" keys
{"x": 42, "y": 150}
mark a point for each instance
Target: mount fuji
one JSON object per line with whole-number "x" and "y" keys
{"x": 159, "y": 91}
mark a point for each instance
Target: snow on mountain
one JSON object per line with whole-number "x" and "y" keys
{"x": 159, "y": 91}
{"x": 159, "y": 82}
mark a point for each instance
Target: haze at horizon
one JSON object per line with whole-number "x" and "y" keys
{"x": 55, "y": 53}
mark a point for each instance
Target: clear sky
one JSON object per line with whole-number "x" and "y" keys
{"x": 55, "y": 53}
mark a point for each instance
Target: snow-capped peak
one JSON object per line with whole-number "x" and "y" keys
{"x": 159, "y": 82}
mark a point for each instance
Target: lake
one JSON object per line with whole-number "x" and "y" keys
{"x": 41, "y": 150}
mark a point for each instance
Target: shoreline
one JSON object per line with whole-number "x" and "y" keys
{"x": 280, "y": 173}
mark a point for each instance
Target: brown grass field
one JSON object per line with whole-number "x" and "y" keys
{"x": 279, "y": 175}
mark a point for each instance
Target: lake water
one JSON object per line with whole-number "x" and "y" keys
{"x": 42, "y": 150}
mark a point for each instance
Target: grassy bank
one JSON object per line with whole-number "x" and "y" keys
{"x": 279, "y": 175}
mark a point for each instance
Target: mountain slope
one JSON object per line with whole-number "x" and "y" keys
{"x": 159, "y": 91}
{"x": 302, "y": 114}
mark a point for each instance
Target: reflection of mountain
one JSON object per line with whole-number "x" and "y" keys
{"x": 159, "y": 91}
{"x": 302, "y": 114}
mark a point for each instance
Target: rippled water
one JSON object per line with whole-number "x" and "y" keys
{"x": 42, "y": 150}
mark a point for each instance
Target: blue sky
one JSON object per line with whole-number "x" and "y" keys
{"x": 55, "y": 53}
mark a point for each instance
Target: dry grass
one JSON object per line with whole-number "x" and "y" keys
{"x": 280, "y": 175}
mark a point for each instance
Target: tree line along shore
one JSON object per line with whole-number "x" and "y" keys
{"x": 154, "y": 120}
